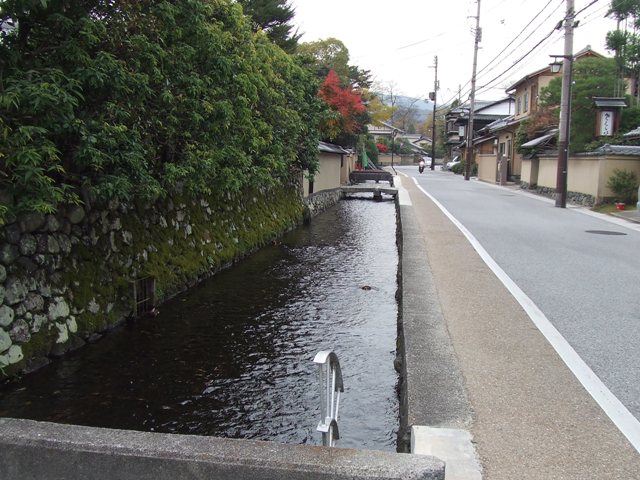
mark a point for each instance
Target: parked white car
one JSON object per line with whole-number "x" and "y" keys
{"x": 454, "y": 161}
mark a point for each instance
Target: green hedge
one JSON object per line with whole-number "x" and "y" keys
{"x": 136, "y": 99}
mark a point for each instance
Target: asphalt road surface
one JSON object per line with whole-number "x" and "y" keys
{"x": 581, "y": 270}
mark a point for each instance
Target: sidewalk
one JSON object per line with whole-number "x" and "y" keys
{"x": 529, "y": 416}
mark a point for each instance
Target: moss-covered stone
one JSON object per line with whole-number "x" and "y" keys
{"x": 178, "y": 242}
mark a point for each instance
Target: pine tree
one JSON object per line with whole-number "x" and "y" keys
{"x": 273, "y": 17}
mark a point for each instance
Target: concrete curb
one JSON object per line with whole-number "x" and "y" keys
{"x": 453, "y": 445}
{"x": 33, "y": 450}
{"x": 432, "y": 389}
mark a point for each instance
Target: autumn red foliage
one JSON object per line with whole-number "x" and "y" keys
{"x": 343, "y": 100}
{"x": 382, "y": 148}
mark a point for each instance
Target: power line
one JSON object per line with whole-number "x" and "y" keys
{"x": 489, "y": 84}
{"x": 541, "y": 45}
{"x": 547, "y": 38}
{"x": 519, "y": 60}
{"x": 584, "y": 8}
{"x": 512, "y": 41}
{"x": 528, "y": 36}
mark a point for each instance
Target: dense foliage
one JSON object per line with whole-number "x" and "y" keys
{"x": 274, "y": 18}
{"x": 140, "y": 98}
{"x": 345, "y": 91}
{"x": 624, "y": 184}
{"x": 625, "y": 41}
{"x": 346, "y": 107}
{"x": 592, "y": 77}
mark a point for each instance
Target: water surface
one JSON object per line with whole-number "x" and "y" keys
{"x": 233, "y": 357}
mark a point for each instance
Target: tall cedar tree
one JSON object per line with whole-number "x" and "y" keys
{"x": 346, "y": 107}
{"x": 273, "y": 17}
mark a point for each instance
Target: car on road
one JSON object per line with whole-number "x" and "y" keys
{"x": 454, "y": 161}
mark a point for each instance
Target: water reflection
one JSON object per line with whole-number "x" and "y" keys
{"x": 233, "y": 357}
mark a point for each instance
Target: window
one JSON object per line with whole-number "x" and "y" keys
{"x": 526, "y": 101}
{"x": 534, "y": 98}
{"x": 519, "y": 106}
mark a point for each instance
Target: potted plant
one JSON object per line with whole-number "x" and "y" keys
{"x": 624, "y": 184}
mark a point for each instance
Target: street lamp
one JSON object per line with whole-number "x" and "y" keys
{"x": 432, "y": 96}
{"x": 394, "y": 132}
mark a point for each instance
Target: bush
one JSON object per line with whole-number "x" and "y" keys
{"x": 459, "y": 169}
{"x": 140, "y": 99}
{"x": 624, "y": 184}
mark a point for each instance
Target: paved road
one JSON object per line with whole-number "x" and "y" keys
{"x": 587, "y": 284}
{"x": 584, "y": 283}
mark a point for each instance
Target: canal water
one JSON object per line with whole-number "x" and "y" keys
{"x": 234, "y": 356}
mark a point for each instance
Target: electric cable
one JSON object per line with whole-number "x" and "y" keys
{"x": 512, "y": 41}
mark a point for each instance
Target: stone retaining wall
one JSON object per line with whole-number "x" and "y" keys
{"x": 576, "y": 198}
{"x": 66, "y": 278}
{"x": 318, "y": 202}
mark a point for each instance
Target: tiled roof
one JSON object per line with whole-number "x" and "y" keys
{"x": 331, "y": 148}
{"x": 625, "y": 150}
{"x": 544, "y": 139}
{"x": 633, "y": 133}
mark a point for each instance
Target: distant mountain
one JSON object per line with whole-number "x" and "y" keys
{"x": 421, "y": 107}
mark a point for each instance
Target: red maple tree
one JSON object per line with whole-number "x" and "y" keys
{"x": 345, "y": 102}
{"x": 382, "y": 148}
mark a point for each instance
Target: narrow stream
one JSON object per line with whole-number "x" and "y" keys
{"x": 233, "y": 357}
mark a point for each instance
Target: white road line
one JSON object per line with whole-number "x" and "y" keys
{"x": 614, "y": 409}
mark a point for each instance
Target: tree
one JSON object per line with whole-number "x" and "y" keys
{"x": 274, "y": 18}
{"x": 378, "y": 111}
{"x": 592, "y": 77}
{"x": 328, "y": 54}
{"x": 344, "y": 120}
{"x": 625, "y": 42}
{"x": 426, "y": 129}
{"x": 140, "y": 98}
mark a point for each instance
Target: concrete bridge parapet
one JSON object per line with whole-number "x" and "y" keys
{"x": 31, "y": 450}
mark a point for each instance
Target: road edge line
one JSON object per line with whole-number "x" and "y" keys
{"x": 622, "y": 418}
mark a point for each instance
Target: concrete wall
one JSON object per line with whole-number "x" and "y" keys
{"x": 328, "y": 176}
{"x": 547, "y": 172}
{"x": 607, "y": 168}
{"x": 333, "y": 171}
{"x": 487, "y": 167}
{"x": 586, "y": 175}
{"x": 348, "y": 166}
{"x": 529, "y": 172}
{"x": 384, "y": 160}
{"x": 32, "y": 450}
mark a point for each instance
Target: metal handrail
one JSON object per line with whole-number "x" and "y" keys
{"x": 331, "y": 385}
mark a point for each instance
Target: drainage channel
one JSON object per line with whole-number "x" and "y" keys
{"x": 233, "y": 357}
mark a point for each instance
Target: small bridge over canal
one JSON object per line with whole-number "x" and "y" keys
{"x": 364, "y": 181}
{"x": 374, "y": 188}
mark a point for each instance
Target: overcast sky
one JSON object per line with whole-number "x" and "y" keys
{"x": 398, "y": 40}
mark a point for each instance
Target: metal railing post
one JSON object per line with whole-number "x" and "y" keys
{"x": 330, "y": 376}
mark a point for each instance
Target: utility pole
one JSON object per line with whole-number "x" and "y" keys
{"x": 565, "y": 109}
{"x": 472, "y": 98}
{"x": 433, "y": 129}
